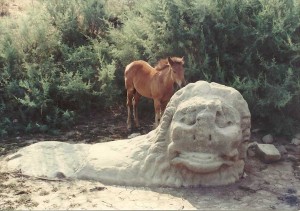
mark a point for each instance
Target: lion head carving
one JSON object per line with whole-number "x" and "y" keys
{"x": 203, "y": 135}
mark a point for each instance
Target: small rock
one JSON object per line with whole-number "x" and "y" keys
{"x": 268, "y": 139}
{"x": 32, "y": 141}
{"x": 99, "y": 188}
{"x": 134, "y": 135}
{"x": 72, "y": 133}
{"x": 251, "y": 151}
{"x": 95, "y": 130}
{"x": 256, "y": 130}
{"x": 295, "y": 141}
{"x": 292, "y": 158}
{"x": 60, "y": 175}
{"x": 297, "y": 136}
{"x": 244, "y": 175}
{"x": 268, "y": 153}
{"x": 282, "y": 150}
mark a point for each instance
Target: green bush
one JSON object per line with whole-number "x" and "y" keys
{"x": 54, "y": 68}
{"x": 67, "y": 58}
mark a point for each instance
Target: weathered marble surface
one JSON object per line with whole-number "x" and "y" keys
{"x": 201, "y": 140}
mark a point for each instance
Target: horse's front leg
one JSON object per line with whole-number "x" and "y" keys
{"x": 135, "y": 108}
{"x": 157, "y": 108}
{"x": 129, "y": 105}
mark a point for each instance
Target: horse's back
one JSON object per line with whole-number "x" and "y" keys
{"x": 139, "y": 70}
{"x": 138, "y": 76}
{"x": 138, "y": 67}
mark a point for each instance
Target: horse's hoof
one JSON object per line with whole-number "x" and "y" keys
{"x": 129, "y": 129}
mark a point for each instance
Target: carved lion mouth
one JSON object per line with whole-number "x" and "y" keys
{"x": 200, "y": 162}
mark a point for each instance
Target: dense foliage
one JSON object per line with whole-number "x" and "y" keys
{"x": 68, "y": 57}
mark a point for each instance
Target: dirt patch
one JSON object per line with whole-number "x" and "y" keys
{"x": 96, "y": 127}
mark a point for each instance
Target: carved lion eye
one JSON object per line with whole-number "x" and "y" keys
{"x": 223, "y": 119}
{"x": 182, "y": 119}
{"x": 188, "y": 120}
{"x": 191, "y": 121}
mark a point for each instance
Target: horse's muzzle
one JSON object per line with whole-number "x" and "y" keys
{"x": 179, "y": 85}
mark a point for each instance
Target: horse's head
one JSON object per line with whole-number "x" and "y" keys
{"x": 176, "y": 65}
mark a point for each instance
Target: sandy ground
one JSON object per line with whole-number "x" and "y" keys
{"x": 265, "y": 187}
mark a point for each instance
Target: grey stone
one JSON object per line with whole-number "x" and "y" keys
{"x": 295, "y": 141}
{"x": 268, "y": 153}
{"x": 256, "y": 130}
{"x": 268, "y": 139}
{"x": 297, "y": 135}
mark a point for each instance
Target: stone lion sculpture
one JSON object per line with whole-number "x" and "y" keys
{"x": 201, "y": 140}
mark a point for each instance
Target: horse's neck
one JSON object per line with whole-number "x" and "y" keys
{"x": 166, "y": 75}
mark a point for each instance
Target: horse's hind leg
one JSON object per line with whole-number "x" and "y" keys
{"x": 129, "y": 105}
{"x": 157, "y": 107}
{"x": 135, "y": 108}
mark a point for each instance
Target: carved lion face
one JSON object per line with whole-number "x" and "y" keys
{"x": 205, "y": 133}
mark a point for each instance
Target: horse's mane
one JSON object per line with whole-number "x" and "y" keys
{"x": 163, "y": 63}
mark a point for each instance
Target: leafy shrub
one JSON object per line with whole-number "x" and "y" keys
{"x": 250, "y": 45}
{"x": 54, "y": 68}
{"x": 68, "y": 57}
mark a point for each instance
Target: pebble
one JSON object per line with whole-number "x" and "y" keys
{"x": 256, "y": 130}
{"x": 268, "y": 139}
{"x": 134, "y": 135}
{"x": 297, "y": 136}
{"x": 292, "y": 157}
{"x": 295, "y": 141}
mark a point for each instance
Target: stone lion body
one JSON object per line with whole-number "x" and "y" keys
{"x": 201, "y": 140}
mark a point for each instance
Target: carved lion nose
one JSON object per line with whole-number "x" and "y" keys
{"x": 205, "y": 117}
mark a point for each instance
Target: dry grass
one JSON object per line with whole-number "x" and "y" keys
{"x": 4, "y": 11}
{"x": 16, "y": 8}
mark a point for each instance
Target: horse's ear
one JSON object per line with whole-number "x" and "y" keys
{"x": 182, "y": 60}
{"x": 171, "y": 62}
